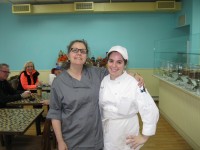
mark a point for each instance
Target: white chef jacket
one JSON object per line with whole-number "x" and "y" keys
{"x": 120, "y": 100}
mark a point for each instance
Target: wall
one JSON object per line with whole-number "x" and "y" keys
{"x": 181, "y": 108}
{"x": 187, "y": 11}
{"x": 195, "y": 18}
{"x": 195, "y": 29}
{"x": 40, "y": 37}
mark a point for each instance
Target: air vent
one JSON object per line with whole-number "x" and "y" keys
{"x": 165, "y": 5}
{"x": 21, "y": 8}
{"x": 83, "y": 6}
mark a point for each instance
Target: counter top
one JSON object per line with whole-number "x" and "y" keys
{"x": 174, "y": 84}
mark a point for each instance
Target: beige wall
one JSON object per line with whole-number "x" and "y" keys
{"x": 181, "y": 109}
{"x": 151, "y": 82}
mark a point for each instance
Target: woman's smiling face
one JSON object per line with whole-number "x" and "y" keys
{"x": 115, "y": 65}
{"x": 77, "y": 54}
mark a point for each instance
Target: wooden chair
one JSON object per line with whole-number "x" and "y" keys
{"x": 14, "y": 81}
{"x": 2, "y": 140}
{"x": 30, "y": 142}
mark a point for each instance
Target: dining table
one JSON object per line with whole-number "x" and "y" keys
{"x": 15, "y": 122}
{"x": 44, "y": 88}
{"x": 33, "y": 101}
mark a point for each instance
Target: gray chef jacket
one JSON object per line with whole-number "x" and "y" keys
{"x": 75, "y": 104}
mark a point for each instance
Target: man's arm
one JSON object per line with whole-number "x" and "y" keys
{"x": 10, "y": 95}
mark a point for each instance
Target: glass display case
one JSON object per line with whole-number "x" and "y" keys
{"x": 178, "y": 67}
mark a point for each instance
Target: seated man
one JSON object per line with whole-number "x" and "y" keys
{"x": 54, "y": 72}
{"x": 7, "y": 92}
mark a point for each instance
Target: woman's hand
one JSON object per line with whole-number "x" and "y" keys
{"x": 26, "y": 94}
{"x": 62, "y": 145}
{"x": 139, "y": 78}
{"x": 45, "y": 102}
{"x": 135, "y": 141}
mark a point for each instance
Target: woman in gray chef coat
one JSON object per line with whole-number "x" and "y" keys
{"x": 74, "y": 108}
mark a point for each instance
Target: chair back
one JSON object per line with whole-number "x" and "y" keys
{"x": 14, "y": 81}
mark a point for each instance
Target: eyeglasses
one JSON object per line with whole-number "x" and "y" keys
{"x": 8, "y": 72}
{"x": 76, "y": 50}
{"x": 29, "y": 66}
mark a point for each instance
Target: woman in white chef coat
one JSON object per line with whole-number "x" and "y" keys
{"x": 120, "y": 101}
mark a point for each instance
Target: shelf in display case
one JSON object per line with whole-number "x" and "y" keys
{"x": 181, "y": 69}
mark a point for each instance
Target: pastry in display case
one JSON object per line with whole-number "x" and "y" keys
{"x": 177, "y": 60}
{"x": 176, "y": 67}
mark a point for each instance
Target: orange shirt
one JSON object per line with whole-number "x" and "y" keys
{"x": 24, "y": 81}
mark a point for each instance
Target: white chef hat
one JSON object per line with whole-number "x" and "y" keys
{"x": 121, "y": 50}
